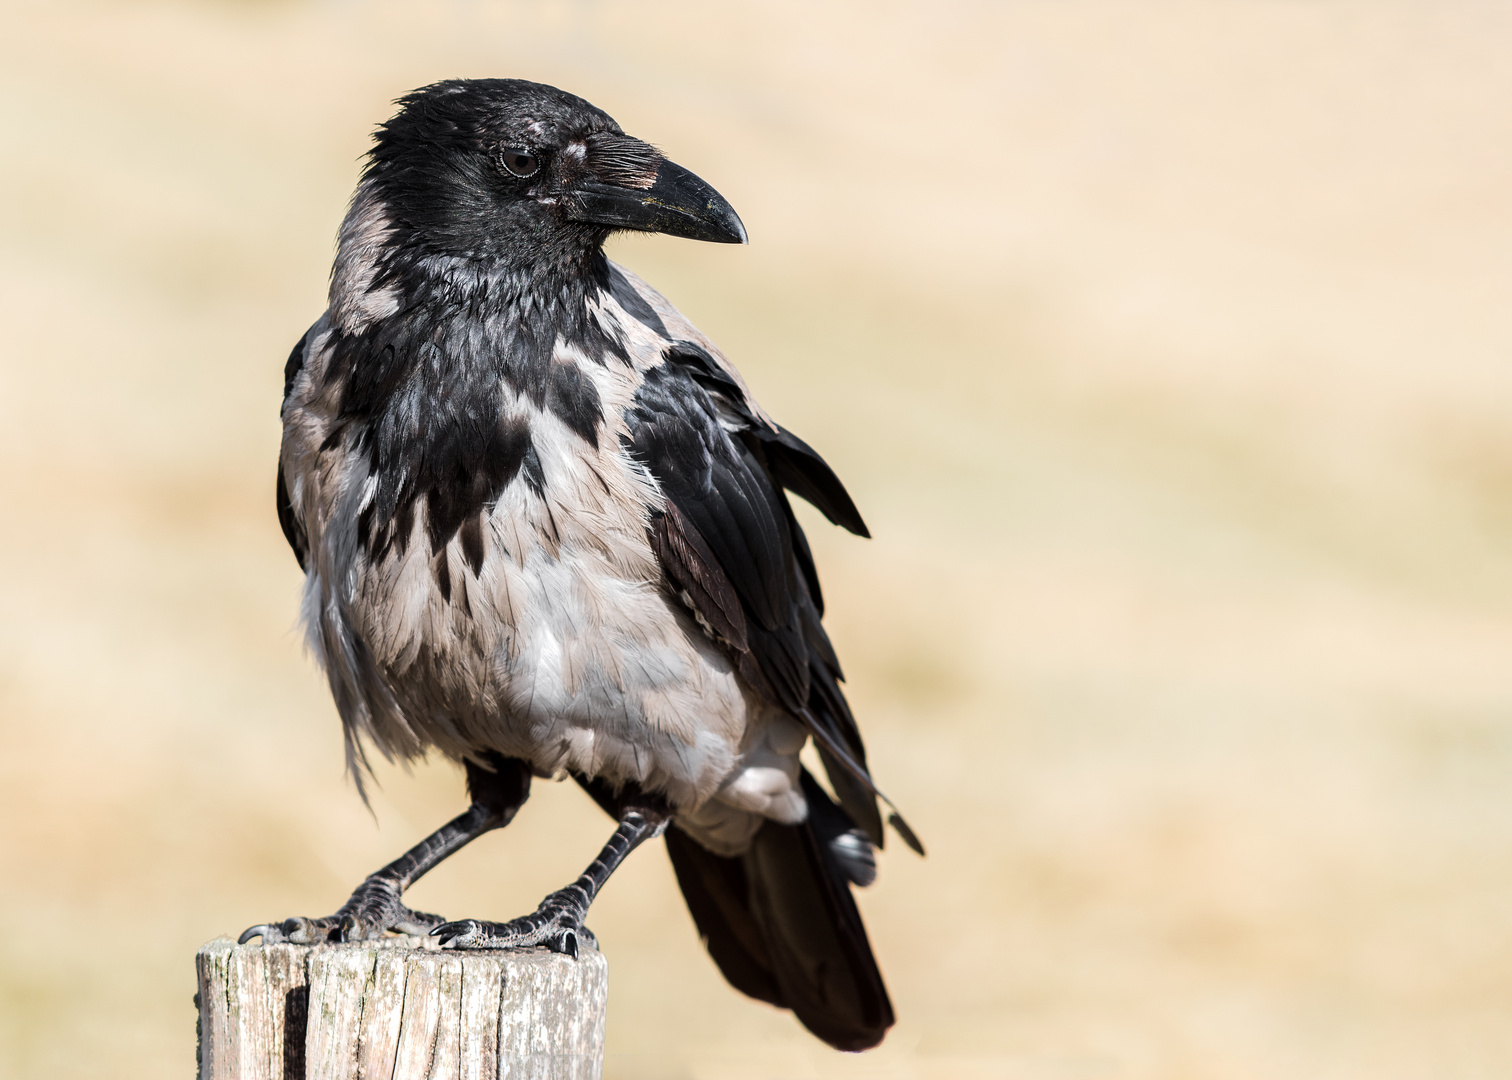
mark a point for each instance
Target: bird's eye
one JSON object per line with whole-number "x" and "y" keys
{"x": 520, "y": 162}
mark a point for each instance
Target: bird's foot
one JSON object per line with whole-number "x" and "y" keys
{"x": 372, "y": 911}
{"x": 556, "y": 925}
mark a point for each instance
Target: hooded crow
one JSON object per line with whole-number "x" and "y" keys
{"x": 545, "y": 531}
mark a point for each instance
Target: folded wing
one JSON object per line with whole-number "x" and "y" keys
{"x": 730, "y": 545}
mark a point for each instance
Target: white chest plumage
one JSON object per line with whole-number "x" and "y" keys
{"x": 545, "y": 528}
{"x": 560, "y": 645}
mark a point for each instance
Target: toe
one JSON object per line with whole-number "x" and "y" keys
{"x": 459, "y": 935}
{"x": 302, "y": 931}
{"x": 359, "y": 927}
{"x": 414, "y": 926}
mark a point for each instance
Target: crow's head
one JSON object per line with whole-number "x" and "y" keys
{"x": 514, "y": 170}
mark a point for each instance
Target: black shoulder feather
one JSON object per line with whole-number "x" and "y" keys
{"x": 733, "y": 551}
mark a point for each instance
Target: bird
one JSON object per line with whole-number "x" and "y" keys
{"x": 546, "y": 533}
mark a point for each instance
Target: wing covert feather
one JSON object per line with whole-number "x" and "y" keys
{"x": 731, "y": 547}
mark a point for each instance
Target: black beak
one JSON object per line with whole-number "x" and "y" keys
{"x": 678, "y": 204}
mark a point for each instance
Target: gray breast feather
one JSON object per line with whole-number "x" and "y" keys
{"x": 560, "y": 644}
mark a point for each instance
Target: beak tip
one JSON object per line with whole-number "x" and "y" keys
{"x": 677, "y": 204}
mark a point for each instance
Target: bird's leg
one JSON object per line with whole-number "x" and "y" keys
{"x": 374, "y": 907}
{"x": 558, "y": 923}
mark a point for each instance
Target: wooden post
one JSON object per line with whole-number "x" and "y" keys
{"x": 399, "y": 1009}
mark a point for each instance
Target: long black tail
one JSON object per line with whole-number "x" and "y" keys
{"x": 782, "y": 925}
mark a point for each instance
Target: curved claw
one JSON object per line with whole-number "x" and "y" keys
{"x": 352, "y": 923}
{"x": 566, "y": 937}
{"x": 463, "y": 934}
{"x": 297, "y": 930}
{"x": 565, "y": 942}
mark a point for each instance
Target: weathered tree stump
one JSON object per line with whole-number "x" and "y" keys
{"x": 399, "y": 1010}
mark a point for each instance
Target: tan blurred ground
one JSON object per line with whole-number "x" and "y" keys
{"x": 1166, "y": 347}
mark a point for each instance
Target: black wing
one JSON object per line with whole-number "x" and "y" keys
{"x": 730, "y": 546}
{"x": 293, "y": 531}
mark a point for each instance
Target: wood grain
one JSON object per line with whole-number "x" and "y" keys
{"x": 398, "y": 1009}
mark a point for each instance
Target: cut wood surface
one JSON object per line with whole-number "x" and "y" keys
{"x": 398, "y": 1009}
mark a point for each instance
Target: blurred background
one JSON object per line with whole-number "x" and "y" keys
{"x": 1165, "y": 346}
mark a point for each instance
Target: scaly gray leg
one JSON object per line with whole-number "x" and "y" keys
{"x": 374, "y": 907}
{"x": 558, "y": 923}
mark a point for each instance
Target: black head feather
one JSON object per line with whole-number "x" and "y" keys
{"x": 479, "y": 168}
{"x": 473, "y": 246}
